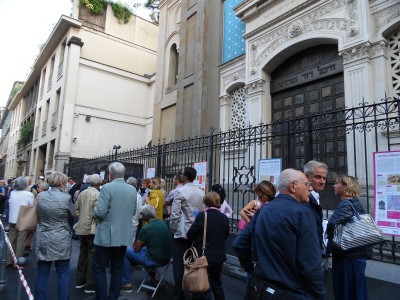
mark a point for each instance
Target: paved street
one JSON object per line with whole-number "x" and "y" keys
{"x": 234, "y": 288}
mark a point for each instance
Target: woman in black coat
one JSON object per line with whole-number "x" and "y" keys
{"x": 217, "y": 232}
{"x": 348, "y": 267}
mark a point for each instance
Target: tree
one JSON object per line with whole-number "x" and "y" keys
{"x": 153, "y": 5}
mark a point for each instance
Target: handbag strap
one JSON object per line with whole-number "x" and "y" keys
{"x": 353, "y": 209}
{"x": 204, "y": 232}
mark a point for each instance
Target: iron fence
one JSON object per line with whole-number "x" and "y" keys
{"x": 345, "y": 139}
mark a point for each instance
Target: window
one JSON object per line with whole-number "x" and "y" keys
{"x": 173, "y": 66}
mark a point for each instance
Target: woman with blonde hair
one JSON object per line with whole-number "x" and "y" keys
{"x": 348, "y": 267}
{"x": 156, "y": 196}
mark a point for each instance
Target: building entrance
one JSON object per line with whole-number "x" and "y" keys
{"x": 304, "y": 87}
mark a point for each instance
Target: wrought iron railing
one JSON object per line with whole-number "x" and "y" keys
{"x": 345, "y": 139}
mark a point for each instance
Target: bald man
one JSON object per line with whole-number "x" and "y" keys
{"x": 284, "y": 234}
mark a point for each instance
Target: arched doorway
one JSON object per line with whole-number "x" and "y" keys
{"x": 307, "y": 96}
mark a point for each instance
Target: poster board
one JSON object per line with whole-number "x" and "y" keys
{"x": 387, "y": 191}
{"x": 201, "y": 178}
{"x": 151, "y": 172}
{"x": 269, "y": 169}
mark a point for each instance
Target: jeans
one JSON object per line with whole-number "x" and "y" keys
{"x": 103, "y": 257}
{"x": 179, "y": 246}
{"x": 136, "y": 258}
{"x": 85, "y": 262}
{"x": 42, "y": 279}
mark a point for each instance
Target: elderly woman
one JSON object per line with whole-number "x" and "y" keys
{"x": 156, "y": 196}
{"x": 348, "y": 267}
{"x": 216, "y": 233}
{"x": 53, "y": 236}
{"x": 19, "y": 196}
{"x": 135, "y": 219}
{"x": 85, "y": 227}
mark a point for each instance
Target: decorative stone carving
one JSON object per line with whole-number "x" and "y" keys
{"x": 234, "y": 77}
{"x": 394, "y": 58}
{"x": 378, "y": 49}
{"x": 355, "y": 53}
{"x": 353, "y": 31}
{"x": 225, "y": 100}
{"x": 313, "y": 20}
{"x": 295, "y": 28}
{"x": 239, "y": 108}
{"x": 383, "y": 17}
{"x": 256, "y": 86}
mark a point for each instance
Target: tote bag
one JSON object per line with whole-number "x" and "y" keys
{"x": 27, "y": 218}
{"x": 359, "y": 231}
{"x": 195, "y": 276}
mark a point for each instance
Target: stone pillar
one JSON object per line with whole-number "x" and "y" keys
{"x": 256, "y": 102}
{"x": 225, "y": 104}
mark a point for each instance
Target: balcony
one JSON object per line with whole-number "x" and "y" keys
{"x": 44, "y": 128}
{"x": 60, "y": 69}
{"x": 54, "y": 119}
{"x": 36, "y": 133}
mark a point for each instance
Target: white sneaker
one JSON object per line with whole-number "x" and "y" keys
{"x": 80, "y": 286}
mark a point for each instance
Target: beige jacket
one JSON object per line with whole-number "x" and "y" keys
{"x": 84, "y": 206}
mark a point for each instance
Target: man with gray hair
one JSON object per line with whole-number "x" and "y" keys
{"x": 86, "y": 228}
{"x": 115, "y": 209}
{"x": 316, "y": 173}
{"x": 152, "y": 248}
{"x": 283, "y": 239}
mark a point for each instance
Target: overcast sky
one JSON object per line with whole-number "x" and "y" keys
{"x": 24, "y": 26}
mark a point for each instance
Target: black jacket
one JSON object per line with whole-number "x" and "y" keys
{"x": 217, "y": 232}
{"x": 317, "y": 213}
{"x": 341, "y": 215}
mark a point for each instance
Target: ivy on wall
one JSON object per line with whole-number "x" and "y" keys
{"x": 26, "y": 133}
{"x": 96, "y": 7}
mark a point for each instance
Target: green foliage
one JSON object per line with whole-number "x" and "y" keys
{"x": 16, "y": 88}
{"x": 153, "y": 5}
{"x": 26, "y": 133}
{"x": 121, "y": 12}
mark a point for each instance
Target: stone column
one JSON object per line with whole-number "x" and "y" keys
{"x": 256, "y": 103}
{"x": 225, "y": 104}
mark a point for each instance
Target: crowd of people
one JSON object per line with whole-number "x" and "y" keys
{"x": 121, "y": 223}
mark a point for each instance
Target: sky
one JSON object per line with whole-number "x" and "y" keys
{"x": 24, "y": 26}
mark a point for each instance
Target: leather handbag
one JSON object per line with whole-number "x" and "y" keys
{"x": 195, "y": 276}
{"x": 27, "y": 218}
{"x": 359, "y": 231}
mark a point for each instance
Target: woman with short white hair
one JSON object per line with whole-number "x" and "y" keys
{"x": 19, "y": 196}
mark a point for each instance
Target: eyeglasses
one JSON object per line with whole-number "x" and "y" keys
{"x": 307, "y": 183}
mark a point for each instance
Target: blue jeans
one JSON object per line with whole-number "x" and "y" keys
{"x": 136, "y": 258}
{"x": 42, "y": 279}
{"x": 103, "y": 257}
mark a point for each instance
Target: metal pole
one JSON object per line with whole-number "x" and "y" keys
{"x": 21, "y": 262}
{"x": 3, "y": 261}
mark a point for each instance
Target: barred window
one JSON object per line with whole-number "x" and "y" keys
{"x": 394, "y": 57}
{"x": 238, "y": 108}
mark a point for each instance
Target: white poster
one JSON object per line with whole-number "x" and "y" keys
{"x": 201, "y": 178}
{"x": 269, "y": 169}
{"x": 151, "y": 172}
{"x": 387, "y": 191}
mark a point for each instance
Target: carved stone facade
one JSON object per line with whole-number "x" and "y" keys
{"x": 365, "y": 32}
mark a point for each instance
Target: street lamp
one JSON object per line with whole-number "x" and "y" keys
{"x": 116, "y": 147}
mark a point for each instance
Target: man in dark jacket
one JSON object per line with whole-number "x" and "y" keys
{"x": 316, "y": 173}
{"x": 285, "y": 240}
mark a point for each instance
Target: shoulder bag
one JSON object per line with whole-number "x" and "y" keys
{"x": 359, "y": 231}
{"x": 27, "y": 218}
{"x": 195, "y": 276}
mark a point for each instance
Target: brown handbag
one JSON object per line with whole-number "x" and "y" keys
{"x": 195, "y": 276}
{"x": 27, "y": 218}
